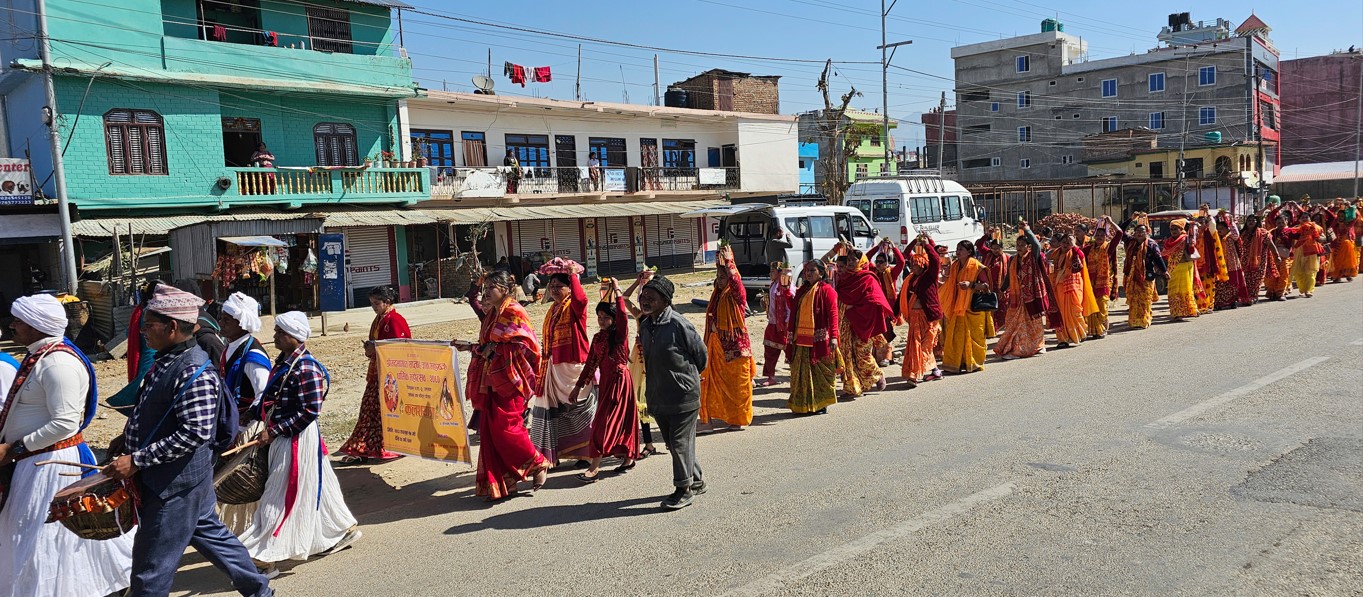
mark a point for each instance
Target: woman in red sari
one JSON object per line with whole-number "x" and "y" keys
{"x": 615, "y": 429}
{"x": 1256, "y": 255}
{"x": 366, "y": 441}
{"x": 1027, "y": 300}
{"x": 865, "y": 314}
{"x": 503, "y": 374}
{"x": 919, "y": 305}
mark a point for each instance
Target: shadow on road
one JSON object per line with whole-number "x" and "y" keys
{"x": 555, "y": 515}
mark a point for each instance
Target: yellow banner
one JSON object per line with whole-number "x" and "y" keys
{"x": 422, "y": 400}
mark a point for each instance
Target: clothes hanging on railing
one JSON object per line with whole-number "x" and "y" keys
{"x": 219, "y": 33}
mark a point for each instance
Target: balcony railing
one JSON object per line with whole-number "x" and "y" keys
{"x": 494, "y": 182}
{"x": 304, "y": 185}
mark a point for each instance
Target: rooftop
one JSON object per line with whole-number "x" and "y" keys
{"x": 574, "y": 107}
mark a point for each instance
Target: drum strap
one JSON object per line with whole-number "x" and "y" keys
{"x": 146, "y": 441}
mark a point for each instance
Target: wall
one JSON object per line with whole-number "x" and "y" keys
{"x": 758, "y": 95}
{"x": 768, "y": 156}
{"x": 1319, "y": 113}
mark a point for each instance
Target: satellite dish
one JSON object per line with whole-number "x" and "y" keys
{"x": 483, "y": 84}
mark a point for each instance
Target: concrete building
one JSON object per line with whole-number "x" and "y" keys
{"x": 1320, "y": 107}
{"x": 809, "y": 159}
{"x": 162, "y": 104}
{"x": 1025, "y": 104}
{"x": 867, "y": 158}
{"x": 940, "y": 132}
{"x": 727, "y": 91}
{"x": 614, "y": 215}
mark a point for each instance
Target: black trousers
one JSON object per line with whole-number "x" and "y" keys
{"x": 679, "y": 434}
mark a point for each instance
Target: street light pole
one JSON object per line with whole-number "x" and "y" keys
{"x": 69, "y": 276}
{"x": 885, "y": 55}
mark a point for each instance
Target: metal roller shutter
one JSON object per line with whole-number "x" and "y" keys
{"x": 367, "y": 260}
{"x": 568, "y": 239}
{"x": 532, "y": 238}
{"x": 616, "y": 255}
{"x": 671, "y": 241}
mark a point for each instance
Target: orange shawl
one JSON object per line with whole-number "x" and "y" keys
{"x": 956, "y": 300}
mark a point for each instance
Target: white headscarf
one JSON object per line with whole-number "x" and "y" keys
{"x": 43, "y": 312}
{"x": 245, "y": 310}
{"x": 294, "y": 323}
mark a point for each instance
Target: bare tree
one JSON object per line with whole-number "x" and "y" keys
{"x": 840, "y": 136}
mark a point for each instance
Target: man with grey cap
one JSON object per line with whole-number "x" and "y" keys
{"x": 674, "y": 357}
{"x": 182, "y": 417}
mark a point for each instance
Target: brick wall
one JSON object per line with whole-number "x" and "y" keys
{"x": 760, "y": 95}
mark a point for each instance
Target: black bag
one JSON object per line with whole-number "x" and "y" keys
{"x": 984, "y": 301}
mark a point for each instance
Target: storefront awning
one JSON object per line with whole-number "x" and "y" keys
{"x": 22, "y": 228}
{"x": 254, "y": 241}
{"x": 103, "y": 227}
{"x": 478, "y": 215}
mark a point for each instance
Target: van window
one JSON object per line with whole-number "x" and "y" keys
{"x": 798, "y": 226}
{"x": 862, "y": 204}
{"x": 886, "y": 210}
{"x": 951, "y": 208}
{"x": 844, "y": 226}
{"x": 925, "y": 210}
{"x": 821, "y": 227}
{"x": 861, "y": 228}
{"x": 968, "y": 206}
{"x": 745, "y": 230}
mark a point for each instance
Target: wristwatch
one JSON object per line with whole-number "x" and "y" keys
{"x": 17, "y": 449}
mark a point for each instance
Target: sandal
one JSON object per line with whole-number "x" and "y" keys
{"x": 354, "y": 460}
{"x": 624, "y": 468}
{"x": 583, "y": 477}
{"x": 540, "y": 479}
{"x": 646, "y": 452}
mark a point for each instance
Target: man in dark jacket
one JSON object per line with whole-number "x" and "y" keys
{"x": 674, "y": 357}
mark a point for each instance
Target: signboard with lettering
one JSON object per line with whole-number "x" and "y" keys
{"x": 712, "y": 176}
{"x": 423, "y": 400}
{"x": 16, "y": 182}
{"x": 332, "y": 289}
{"x": 615, "y": 179}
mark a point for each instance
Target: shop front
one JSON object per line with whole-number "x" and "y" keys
{"x": 30, "y": 256}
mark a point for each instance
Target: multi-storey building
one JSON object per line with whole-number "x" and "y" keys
{"x": 727, "y": 91}
{"x": 1320, "y": 107}
{"x": 866, "y": 158}
{"x": 1025, "y": 104}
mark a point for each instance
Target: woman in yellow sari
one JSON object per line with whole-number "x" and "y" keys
{"x": 1144, "y": 264}
{"x": 813, "y": 349}
{"x": 1073, "y": 292}
{"x": 964, "y": 345}
{"x": 1179, "y": 252}
{"x": 726, "y": 384}
{"x": 1306, "y": 252}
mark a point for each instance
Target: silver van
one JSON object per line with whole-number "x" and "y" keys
{"x": 760, "y": 234}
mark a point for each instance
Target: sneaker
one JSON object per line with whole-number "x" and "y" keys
{"x": 679, "y": 499}
{"x": 350, "y": 537}
{"x": 269, "y": 571}
{"x": 698, "y": 488}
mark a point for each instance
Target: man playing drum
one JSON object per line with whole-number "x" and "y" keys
{"x": 51, "y": 400}
{"x": 170, "y": 439}
{"x": 302, "y": 512}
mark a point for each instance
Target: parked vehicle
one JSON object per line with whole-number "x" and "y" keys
{"x": 761, "y": 234}
{"x": 904, "y": 206}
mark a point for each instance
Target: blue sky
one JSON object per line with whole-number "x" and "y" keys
{"x": 449, "y": 53}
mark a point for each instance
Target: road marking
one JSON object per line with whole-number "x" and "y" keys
{"x": 777, "y": 580}
{"x": 1209, "y": 404}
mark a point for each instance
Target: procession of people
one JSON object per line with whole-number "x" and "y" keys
{"x": 205, "y": 392}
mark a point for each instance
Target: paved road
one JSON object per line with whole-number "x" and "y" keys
{"x": 1215, "y": 457}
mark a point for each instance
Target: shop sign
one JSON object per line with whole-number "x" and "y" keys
{"x": 16, "y": 182}
{"x": 332, "y": 290}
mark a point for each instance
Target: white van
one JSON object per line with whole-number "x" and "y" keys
{"x": 760, "y": 234}
{"x": 902, "y": 207}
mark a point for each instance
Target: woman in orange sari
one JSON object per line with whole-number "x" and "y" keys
{"x": 1306, "y": 252}
{"x": 964, "y": 346}
{"x": 727, "y": 382}
{"x": 1344, "y": 253}
{"x": 1074, "y": 300}
{"x": 922, "y": 309}
{"x": 503, "y": 374}
{"x": 1027, "y": 301}
{"x": 1256, "y": 255}
{"x": 366, "y": 440}
{"x": 1278, "y": 277}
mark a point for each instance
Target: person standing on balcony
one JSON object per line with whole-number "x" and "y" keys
{"x": 594, "y": 170}
{"x": 513, "y": 172}
{"x": 262, "y": 158}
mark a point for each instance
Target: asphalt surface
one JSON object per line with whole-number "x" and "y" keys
{"x": 1220, "y": 456}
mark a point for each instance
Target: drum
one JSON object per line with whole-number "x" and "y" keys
{"x": 241, "y": 479}
{"x": 96, "y": 507}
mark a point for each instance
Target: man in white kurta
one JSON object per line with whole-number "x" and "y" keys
{"x": 47, "y": 406}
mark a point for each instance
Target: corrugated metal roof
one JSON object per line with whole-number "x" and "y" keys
{"x": 394, "y": 217}
{"x": 1315, "y": 172}
{"x": 477, "y": 215}
{"x": 104, "y": 226}
{"x": 385, "y": 3}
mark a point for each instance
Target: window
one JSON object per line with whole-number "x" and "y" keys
{"x": 436, "y": 146}
{"x": 532, "y": 151}
{"x": 1268, "y": 116}
{"x": 475, "y": 149}
{"x": 335, "y": 144}
{"x": 875, "y": 141}
{"x": 978, "y": 128}
{"x": 1206, "y": 76}
{"x": 1109, "y": 124}
{"x": 1024, "y": 64}
{"x": 975, "y": 96}
{"x": 1156, "y": 82}
{"x": 1024, "y": 134}
{"x": 1075, "y": 116}
{"x": 861, "y": 229}
{"x": 1024, "y": 99}
{"x": 329, "y": 29}
{"x": 1206, "y": 115}
{"x": 1066, "y": 159}
{"x": 610, "y": 150}
{"x": 951, "y": 208}
{"x": 925, "y": 210}
{"x": 976, "y": 163}
{"x": 802, "y": 164}
{"x": 994, "y": 107}
{"x": 798, "y": 226}
{"x": 995, "y": 162}
{"x": 861, "y": 204}
{"x": 885, "y": 210}
{"x": 863, "y": 171}
{"x": 136, "y": 140}
{"x": 1156, "y": 121}
{"x": 1025, "y": 163}
{"x": 1222, "y": 165}
{"x": 681, "y": 154}
{"x": 1109, "y": 88}
{"x": 747, "y": 229}
{"x": 1079, "y": 79}
{"x": 1156, "y": 169}
{"x": 821, "y": 227}
{"x": 1192, "y": 168}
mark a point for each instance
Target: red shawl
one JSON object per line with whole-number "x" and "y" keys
{"x": 734, "y": 300}
{"x": 825, "y": 319}
{"x": 866, "y": 305}
{"x": 389, "y": 326}
{"x": 134, "y": 342}
{"x": 513, "y": 368}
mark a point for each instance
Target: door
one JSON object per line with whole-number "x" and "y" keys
{"x": 475, "y": 149}
{"x": 729, "y": 160}
{"x": 240, "y": 138}
{"x": 565, "y": 155}
{"x": 368, "y": 252}
{"x": 724, "y": 93}
{"x": 822, "y": 235}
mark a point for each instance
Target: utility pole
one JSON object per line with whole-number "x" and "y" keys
{"x": 1259, "y": 132}
{"x": 885, "y": 56}
{"x": 489, "y": 63}
{"x": 577, "y": 85}
{"x": 69, "y": 274}
{"x": 1358, "y": 129}
{"x": 941, "y": 131}
{"x": 657, "y": 84}
{"x": 1183, "y": 134}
